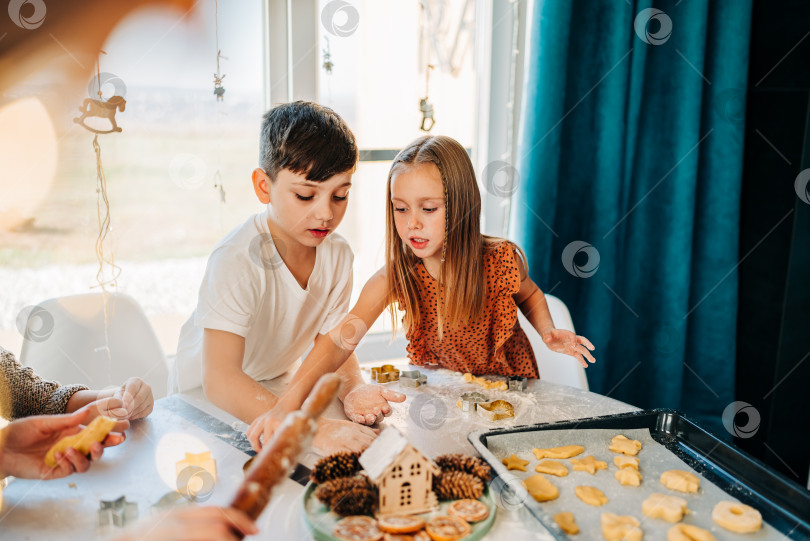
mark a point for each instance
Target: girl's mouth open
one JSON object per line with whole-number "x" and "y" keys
{"x": 418, "y": 243}
{"x": 318, "y": 233}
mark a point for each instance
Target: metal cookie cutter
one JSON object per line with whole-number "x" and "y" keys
{"x": 517, "y": 383}
{"x": 468, "y": 401}
{"x": 385, "y": 373}
{"x": 118, "y": 512}
{"x": 496, "y": 410}
{"x": 412, "y": 378}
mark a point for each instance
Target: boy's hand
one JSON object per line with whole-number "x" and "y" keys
{"x": 337, "y": 435}
{"x": 563, "y": 341}
{"x": 137, "y": 397}
{"x": 368, "y": 404}
{"x": 262, "y": 429}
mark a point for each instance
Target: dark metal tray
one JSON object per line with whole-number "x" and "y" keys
{"x": 784, "y": 505}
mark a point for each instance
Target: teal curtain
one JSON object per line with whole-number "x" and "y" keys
{"x": 630, "y": 159}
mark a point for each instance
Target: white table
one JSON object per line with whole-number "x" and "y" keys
{"x": 143, "y": 468}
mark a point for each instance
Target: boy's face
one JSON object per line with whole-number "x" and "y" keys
{"x": 417, "y": 195}
{"x": 305, "y": 211}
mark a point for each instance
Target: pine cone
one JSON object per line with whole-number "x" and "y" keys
{"x": 465, "y": 463}
{"x": 342, "y": 464}
{"x": 330, "y": 492}
{"x": 359, "y": 501}
{"x": 456, "y": 485}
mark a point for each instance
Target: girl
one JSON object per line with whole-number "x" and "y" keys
{"x": 460, "y": 290}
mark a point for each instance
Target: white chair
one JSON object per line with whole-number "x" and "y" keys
{"x": 66, "y": 340}
{"x": 555, "y": 367}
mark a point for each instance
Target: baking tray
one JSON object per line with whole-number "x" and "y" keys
{"x": 785, "y": 506}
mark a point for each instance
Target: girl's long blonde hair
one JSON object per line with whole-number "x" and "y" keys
{"x": 461, "y": 274}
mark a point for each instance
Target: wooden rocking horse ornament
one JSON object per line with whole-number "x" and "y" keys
{"x": 101, "y": 109}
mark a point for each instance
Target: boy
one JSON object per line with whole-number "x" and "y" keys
{"x": 282, "y": 279}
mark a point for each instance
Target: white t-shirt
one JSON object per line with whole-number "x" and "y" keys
{"x": 248, "y": 290}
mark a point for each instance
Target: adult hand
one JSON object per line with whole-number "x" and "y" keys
{"x": 109, "y": 407}
{"x": 25, "y": 443}
{"x": 368, "y": 404}
{"x": 192, "y": 524}
{"x": 338, "y": 435}
{"x": 563, "y": 341}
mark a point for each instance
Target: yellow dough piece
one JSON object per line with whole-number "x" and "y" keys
{"x": 566, "y": 522}
{"x": 682, "y": 481}
{"x": 687, "y": 532}
{"x": 669, "y": 508}
{"x": 552, "y": 467}
{"x": 591, "y": 495}
{"x": 620, "y": 444}
{"x": 485, "y": 383}
{"x": 541, "y": 488}
{"x": 588, "y": 464}
{"x": 558, "y": 452}
{"x": 623, "y": 461}
{"x": 621, "y": 528}
{"x": 628, "y": 477}
{"x": 97, "y": 430}
{"x": 737, "y": 517}
{"x": 514, "y": 462}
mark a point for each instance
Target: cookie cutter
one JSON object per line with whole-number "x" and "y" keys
{"x": 469, "y": 401}
{"x": 496, "y": 410}
{"x": 118, "y": 512}
{"x": 517, "y": 383}
{"x": 412, "y": 378}
{"x": 384, "y": 374}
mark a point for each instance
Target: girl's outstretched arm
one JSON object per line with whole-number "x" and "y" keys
{"x": 328, "y": 354}
{"x": 532, "y": 302}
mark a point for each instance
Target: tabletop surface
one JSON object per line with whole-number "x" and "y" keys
{"x": 144, "y": 467}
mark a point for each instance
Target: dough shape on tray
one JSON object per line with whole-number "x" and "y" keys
{"x": 682, "y": 481}
{"x": 514, "y": 462}
{"x": 621, "y": 444}
{"x": 591, "y": 495}
{"x": 623, "y": 461}
{"x": 566, "y": 451}
{"x": 540, "y": 488}
{"x": 663, "y": 506}
{"x": 588, "y": 464}
{"x": 566, "y": 522}
{"x": 737, "y": 517}
{"x": 621, "y": 528}
{"x": 688, "y": 532}
{"x": 628, "y": 477}
{"x": 551, "y": 467}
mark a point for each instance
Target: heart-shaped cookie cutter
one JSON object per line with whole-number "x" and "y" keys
{"x": 496, "y": 410}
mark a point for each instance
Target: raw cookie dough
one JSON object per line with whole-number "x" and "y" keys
{"x": 687, "y": 532}
{"x": 621, "y": 528}
{"x": 737, "y": 517}
{"x": 514, "y": 462}
{"x": 566, "y": 451}
{"x": 682, "y": 481}
{"x": 486, "y": 383}
{"x": 623, "y": 461}
{"x": 588, "y": 464}
{"x": 566, "y": 522}
{"x": 541, "y": 488}
{"x": 591, "y": 495}
{"x": 469, "y": 510}
{"x": 620, "y": 444}
{"x": 669, "y": 508}
{"x": 97, "y": 430}
{"x": 551, "y": 467}
{"x": 628, "y": 477}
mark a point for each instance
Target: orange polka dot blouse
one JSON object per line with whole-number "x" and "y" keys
{"x": 493, "y": 344}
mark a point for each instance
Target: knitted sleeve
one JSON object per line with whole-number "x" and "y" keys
{"x": 23, "y": 393}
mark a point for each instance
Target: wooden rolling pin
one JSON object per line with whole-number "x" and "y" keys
{"x": 279, "y": 455}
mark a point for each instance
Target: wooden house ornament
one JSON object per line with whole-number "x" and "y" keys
{"x": 403, "y": 475}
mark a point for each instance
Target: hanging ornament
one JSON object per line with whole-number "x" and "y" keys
{"x": 219, "y": 90}
{"x": 425, "y": 106}
{"x": 218, "y": 185}
{"x": 101, "y": 108}
{"x": 327, "y": 58}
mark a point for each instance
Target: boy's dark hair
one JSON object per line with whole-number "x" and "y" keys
{"x": 305, "y": 137}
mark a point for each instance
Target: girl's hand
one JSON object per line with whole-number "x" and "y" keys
{"x": 368, "y": 404}
{"x": 568, "y": 343}
{"x": 137, "y": 397}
